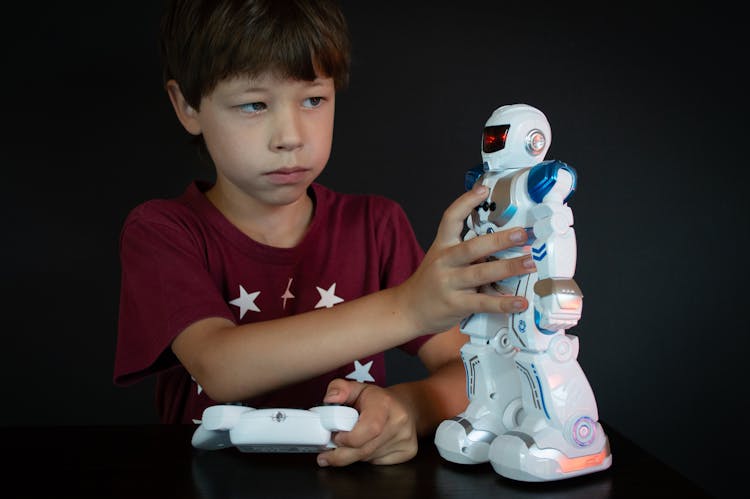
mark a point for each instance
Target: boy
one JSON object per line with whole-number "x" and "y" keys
{"x": 268, "y": 289}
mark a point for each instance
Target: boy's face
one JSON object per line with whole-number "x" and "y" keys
{"x": 268, "y": 137}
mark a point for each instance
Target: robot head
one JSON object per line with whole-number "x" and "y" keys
{"x": 515, "y": 136}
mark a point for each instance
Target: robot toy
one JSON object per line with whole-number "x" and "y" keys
{"x": 531, "y": 413}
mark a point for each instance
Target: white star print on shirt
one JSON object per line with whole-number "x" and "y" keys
{"x": 246, "y": 301}
{"x": 200, "y": 388}
{"x": 328, "y": 297}
{"x": 361, "y": 373}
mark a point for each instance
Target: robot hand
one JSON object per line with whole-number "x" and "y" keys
{"x": 558, "y": 304}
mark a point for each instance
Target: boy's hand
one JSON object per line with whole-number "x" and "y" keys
{"x": 443, "y": 290}
{"x": 384, "y": 434}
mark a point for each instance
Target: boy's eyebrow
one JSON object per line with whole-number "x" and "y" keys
{"x": 252, "y": 87}
{"x": 317, "y": 82}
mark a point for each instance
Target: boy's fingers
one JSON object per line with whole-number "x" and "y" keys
{"x": 480, "y": 247}
{"x": 342, "y": 456}
{"x": 478, "y": 274}
{"x": 452, "y": 223}
{"x": 498, "y": 304}
{"x": 367, "y": 431}
{"x": 341, "y": 391}
{"x": 357, "y": 445}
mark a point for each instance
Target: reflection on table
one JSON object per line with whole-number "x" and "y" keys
{"x": 158, "y": 461}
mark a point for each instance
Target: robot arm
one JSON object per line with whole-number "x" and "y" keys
{"x": 559, "y": 301}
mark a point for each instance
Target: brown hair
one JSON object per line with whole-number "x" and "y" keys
{"x": 206, "y": 41}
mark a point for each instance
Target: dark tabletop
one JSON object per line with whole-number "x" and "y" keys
{"x": 157, "y": 461}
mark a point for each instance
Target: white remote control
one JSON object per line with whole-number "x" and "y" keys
{"x": 272, "y": 430}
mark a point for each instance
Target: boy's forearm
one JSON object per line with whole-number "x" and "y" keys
{"x": 440, "y": 396}
{"x": 240, "y": 362}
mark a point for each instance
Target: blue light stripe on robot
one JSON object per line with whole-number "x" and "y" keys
{"x": 538, "y": 320}
{"x": 536, "y": 252}
{"x": 508, "y": 214}
{"x": 466, "y": 369}
{"x": 525, "y": 372}
{"x": 541, "y": 392}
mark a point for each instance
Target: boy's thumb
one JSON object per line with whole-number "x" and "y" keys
{"x": 341, "y": 391}
{"x": 336, "y": 393}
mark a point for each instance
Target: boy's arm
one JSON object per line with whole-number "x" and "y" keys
{"x": 235, "y": 362}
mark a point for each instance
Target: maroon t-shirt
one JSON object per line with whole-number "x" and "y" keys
{"x": 183, "y": 261}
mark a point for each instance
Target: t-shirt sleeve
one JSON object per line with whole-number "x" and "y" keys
{"x": 402, "y": 254}
{"x": 165, "y": 287}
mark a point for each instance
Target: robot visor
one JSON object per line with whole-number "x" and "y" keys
{"x": 493, "y": 138}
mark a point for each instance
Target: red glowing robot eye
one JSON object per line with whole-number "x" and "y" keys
{"x": 494, "y": 137}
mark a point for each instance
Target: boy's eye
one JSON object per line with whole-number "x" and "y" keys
{"x": 252, "y": 107}
{"x": 312, "y": 101}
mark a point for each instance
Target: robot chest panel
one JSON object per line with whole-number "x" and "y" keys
{"x": 509, "y": 203}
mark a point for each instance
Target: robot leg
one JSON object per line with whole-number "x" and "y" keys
{"x": 560, "y": 436}
{"x": 493, "y": 389}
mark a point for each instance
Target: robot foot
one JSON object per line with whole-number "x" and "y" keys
{"x": 515, "y": 455}
{"x": 458, "y": 441}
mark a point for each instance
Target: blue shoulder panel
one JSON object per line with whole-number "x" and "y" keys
{"x": 543, "y": 176}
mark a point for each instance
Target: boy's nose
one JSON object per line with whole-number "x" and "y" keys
{"x": 287, "y": 133}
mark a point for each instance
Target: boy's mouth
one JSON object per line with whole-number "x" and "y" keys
{"x": 287, "y": 175}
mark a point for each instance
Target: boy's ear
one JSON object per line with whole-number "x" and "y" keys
{"x": 187, "y": 115}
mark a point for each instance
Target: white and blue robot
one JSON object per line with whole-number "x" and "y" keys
{"x": 531, "y": 413}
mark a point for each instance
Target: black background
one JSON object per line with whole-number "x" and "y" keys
{"x": 649, "y": 106}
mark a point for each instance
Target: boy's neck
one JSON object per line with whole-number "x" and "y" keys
{"x": 280, "y": 226}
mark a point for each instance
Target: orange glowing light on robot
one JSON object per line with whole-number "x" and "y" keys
{"x": 570, "y": 464}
